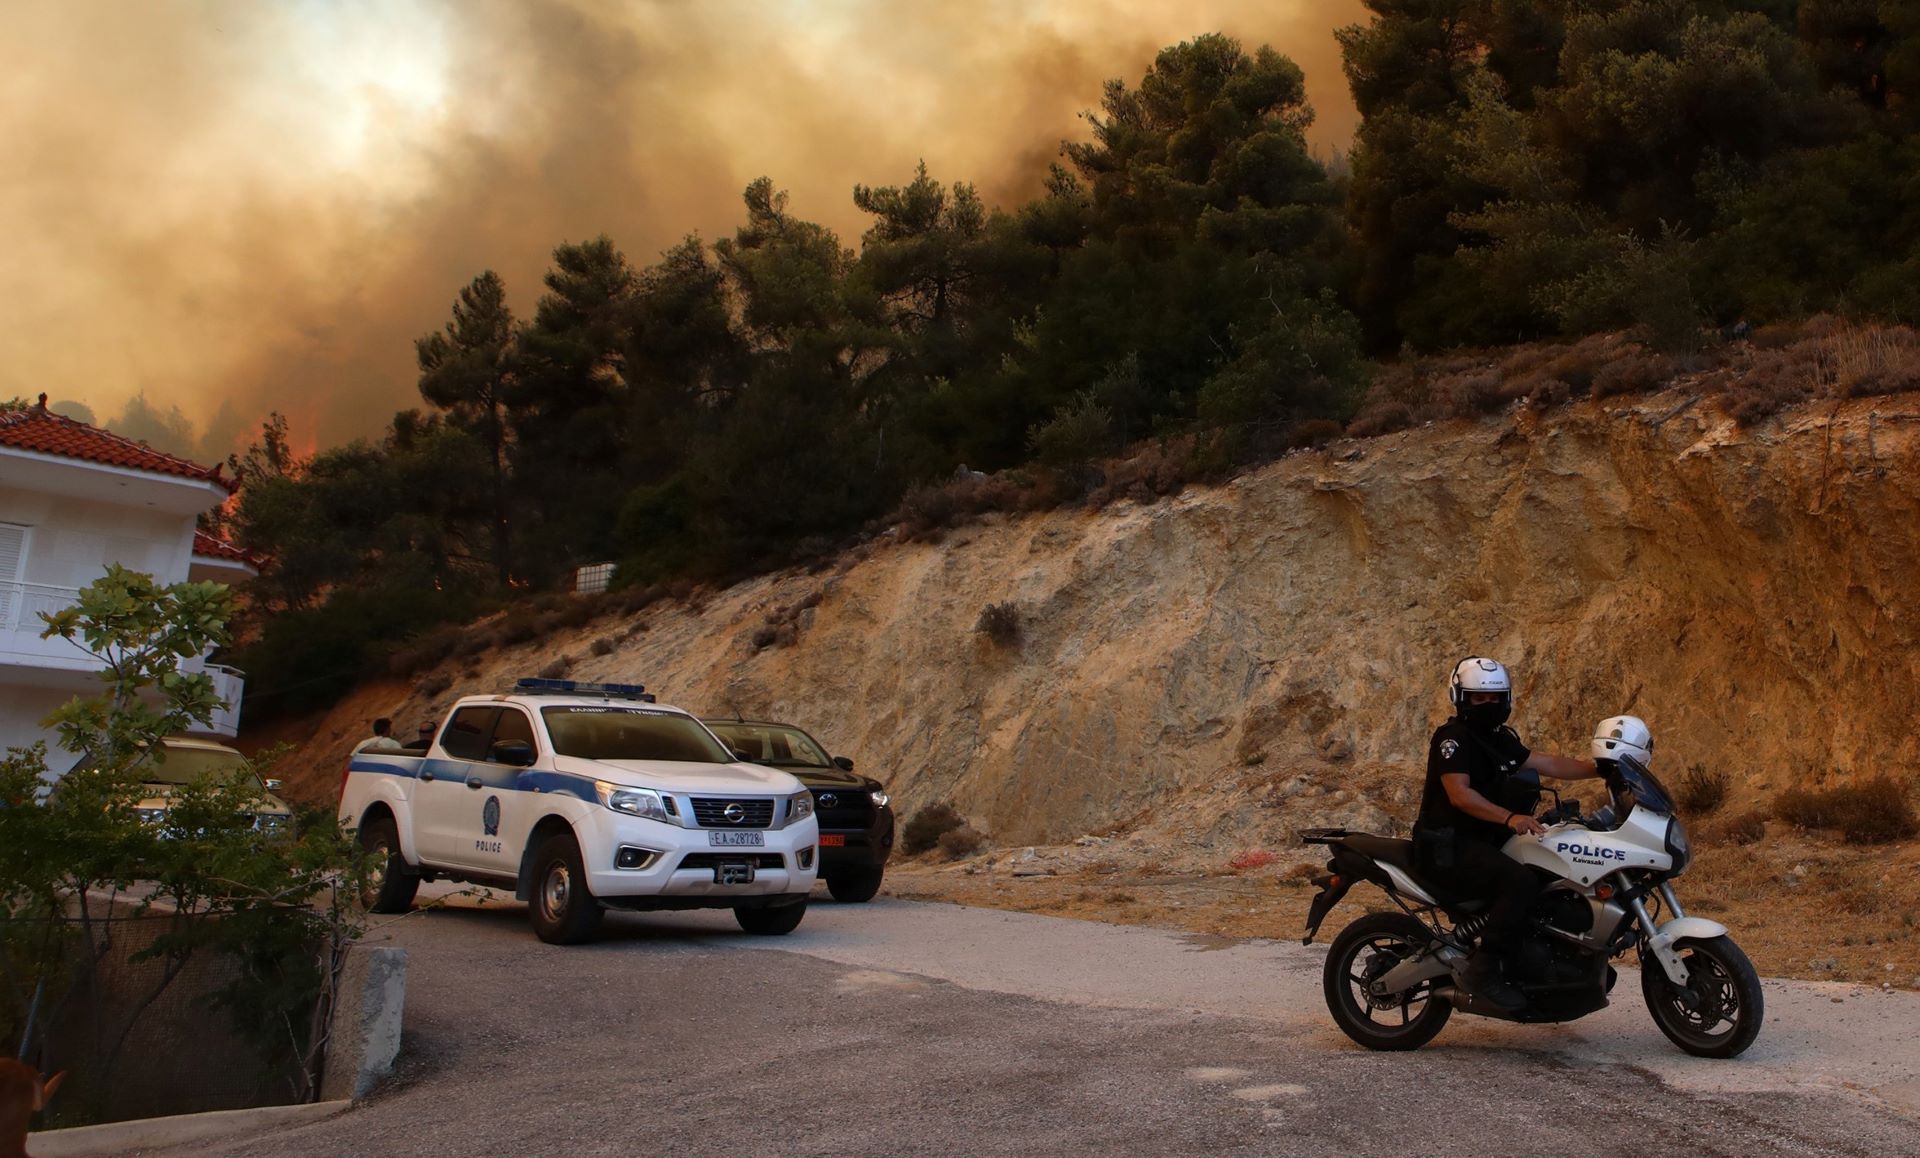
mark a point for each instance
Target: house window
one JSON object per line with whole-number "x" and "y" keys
{"x": 13, "y": 561}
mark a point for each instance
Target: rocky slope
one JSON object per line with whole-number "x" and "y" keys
{"x": 1224, "y": 666}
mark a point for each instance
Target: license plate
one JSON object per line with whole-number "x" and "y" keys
{"x": 733, "y": 874}
{"x": 833, "y": 840}
{"x": 737, "y": 839}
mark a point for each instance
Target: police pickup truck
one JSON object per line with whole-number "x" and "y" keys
{"x": 583, "y": 797}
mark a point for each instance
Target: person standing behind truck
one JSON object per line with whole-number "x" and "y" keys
{"x": 380, "y": 741}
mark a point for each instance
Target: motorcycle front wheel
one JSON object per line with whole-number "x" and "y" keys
{"x": 1718, "y": 1014}
{"x": 1362, "y": 952}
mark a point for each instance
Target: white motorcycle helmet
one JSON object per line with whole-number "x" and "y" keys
{"x": 1619, "y": 736}
{"x": 1480, "y": 674}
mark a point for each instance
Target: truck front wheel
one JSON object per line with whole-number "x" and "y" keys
{"x": 390, "y": 884}
{"x": 563, "y": 909}
{"x": 775, "y": 921}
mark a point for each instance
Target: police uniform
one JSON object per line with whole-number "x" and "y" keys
{"x": 1462, "y": 852}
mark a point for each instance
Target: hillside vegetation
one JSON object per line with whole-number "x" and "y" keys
{"x": 1700, "y": 177}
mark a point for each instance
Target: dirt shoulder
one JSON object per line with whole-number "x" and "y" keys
{"x": 1801, "y": 907}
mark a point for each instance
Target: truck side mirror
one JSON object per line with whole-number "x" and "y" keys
{"x": 743, "y": 754}
{"x": 272, "y": 785}
{"x": 844, "y": 763}
{"x": 518, "y": 753}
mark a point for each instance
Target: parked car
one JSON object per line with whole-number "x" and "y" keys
{"x": 582, "y": 797}
{"x": 184, "y": 759}
{"x": 856, "y": 815}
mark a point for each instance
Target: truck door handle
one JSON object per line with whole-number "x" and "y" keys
{"x": 473, "y": 782}
{"x": 426, "y": 774}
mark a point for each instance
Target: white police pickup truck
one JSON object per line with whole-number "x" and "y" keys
{"x": 583, "y": 797}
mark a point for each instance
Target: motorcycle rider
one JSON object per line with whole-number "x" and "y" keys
{"x": 1461, "y": 827}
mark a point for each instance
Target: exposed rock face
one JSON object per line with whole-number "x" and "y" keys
{"x": 1242, "y": 660}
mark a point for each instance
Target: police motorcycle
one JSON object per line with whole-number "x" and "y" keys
{"x": 1393, "y": 979}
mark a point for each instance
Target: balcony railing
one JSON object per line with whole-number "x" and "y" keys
{"x": 22, "y": 603}
{"x": 21, "y": 645}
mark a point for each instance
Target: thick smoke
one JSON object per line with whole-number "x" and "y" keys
{"x": 230, "y": 207}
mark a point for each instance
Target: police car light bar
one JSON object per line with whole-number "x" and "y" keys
{"x": 545, "y": 687}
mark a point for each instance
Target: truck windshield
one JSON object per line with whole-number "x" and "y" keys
{"x": 772, "y": 744}
{"x": 597, "y": 733}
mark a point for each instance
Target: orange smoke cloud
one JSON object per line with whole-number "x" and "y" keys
{"x": 229, "y": 208}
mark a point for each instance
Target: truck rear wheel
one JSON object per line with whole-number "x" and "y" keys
{"x": 390, "y": 883}
{"x": 563, "y": 910}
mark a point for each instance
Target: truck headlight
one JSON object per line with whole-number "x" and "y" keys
{"x": 880, "y": 799}
{"x": 641, "y": 802}
{"x": 151, "y": 815}
{"x": 799, "y": 807}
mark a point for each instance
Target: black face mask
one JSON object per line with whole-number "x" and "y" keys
{"x": 1486, "y": 717}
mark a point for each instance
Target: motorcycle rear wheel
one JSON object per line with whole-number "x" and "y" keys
{"x": 1363, "y": 951}
{"x": 1727, "y": 1004}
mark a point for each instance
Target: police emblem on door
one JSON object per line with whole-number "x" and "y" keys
{"x": 490, "y": 816}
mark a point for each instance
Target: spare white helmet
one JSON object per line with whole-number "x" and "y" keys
{"x": 1478, "y": 674}
{"x": 1619, "y": 736}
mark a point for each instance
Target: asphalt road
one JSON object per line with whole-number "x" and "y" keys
{"x": 906, "y": 1028}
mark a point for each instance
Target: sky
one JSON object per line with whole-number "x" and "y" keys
{"x": 212, "y": 209}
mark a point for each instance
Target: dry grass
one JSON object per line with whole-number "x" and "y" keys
{"x": 1873, "y": 811}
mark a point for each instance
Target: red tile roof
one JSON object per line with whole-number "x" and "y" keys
{"x": 209, "y": 547}
{"x": 37, "y": 429}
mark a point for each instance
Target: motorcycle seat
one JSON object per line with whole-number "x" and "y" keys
{"x": 1399, "y": 853}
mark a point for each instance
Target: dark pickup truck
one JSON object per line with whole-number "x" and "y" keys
{"x": 856, "y": 817}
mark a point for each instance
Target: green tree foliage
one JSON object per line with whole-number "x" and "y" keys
{"x": 1522, "y": 168}
{"x": 78, "y": 859}
{"x": 467, "y": 371}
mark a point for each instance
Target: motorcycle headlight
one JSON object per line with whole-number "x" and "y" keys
{"x": 1678, "y": 846}
{"x": 799, "y": 807}
{"x": 641, "y": 802}
{"x": 880, "y": 799}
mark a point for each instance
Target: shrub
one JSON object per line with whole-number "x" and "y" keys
{"x": 1873, "y": 811}
{"x": 1313, "y": 432}
{"x": 999, "y": 622}
{"x": 519, "y": 626}
{"x": 963, "y": 841}
{"x": 1381, "y": 418}
{"x": 928, "y": 510}
{"x": 1636, "y": 373}
{"x": 433, "y": 684}
{"x": 1153, "y": 471}
{"x": 1703, "y": 790}
{"x": 429, "y": 649}
{"x": 557, "y": 669}
{"x": 923, "y": 831}
{"x": 1746, "y": 828}
{"x": 603, "y": 646}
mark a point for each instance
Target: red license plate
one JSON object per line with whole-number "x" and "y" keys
{"x": 832, "y": 840}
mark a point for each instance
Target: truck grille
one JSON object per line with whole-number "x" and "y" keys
{"x": 712, "y": 813}
{"x": 851, "y": 808}
{"x": 712, "y": 860}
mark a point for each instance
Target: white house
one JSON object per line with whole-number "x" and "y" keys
{"x": 74, "y": 498}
